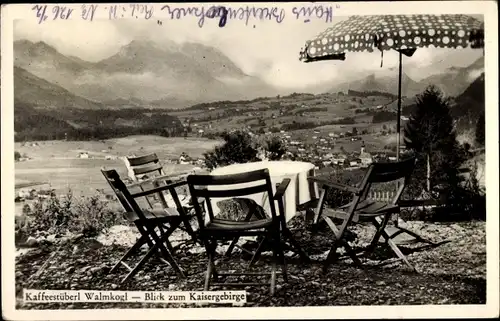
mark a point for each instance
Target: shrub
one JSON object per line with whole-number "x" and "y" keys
{"x": 468, "y": 201}
{"x": 237, "y": 148}
{"x": 275, "y": 148}
{"x": 62, "y": 215}
{"x": 383, "y": 116}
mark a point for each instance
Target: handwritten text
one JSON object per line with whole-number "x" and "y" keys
{"x": 249, "y": 15}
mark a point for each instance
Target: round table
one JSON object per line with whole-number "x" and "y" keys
{"x": 299, "y": 191}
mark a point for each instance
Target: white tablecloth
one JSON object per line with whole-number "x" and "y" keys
{"x": 299, "y": 191}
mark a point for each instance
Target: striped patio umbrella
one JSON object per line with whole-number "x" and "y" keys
{"x": 404, "y": 33}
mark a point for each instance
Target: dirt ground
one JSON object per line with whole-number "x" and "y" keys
{"x": 451, "y": 273}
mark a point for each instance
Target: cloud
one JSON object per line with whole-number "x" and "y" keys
{"x": 263, "y": 48}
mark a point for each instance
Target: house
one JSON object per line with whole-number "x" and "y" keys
{"x": 338, "y": 160}
{"x": 184, "y": 159}
{"x": 365, "y": 157}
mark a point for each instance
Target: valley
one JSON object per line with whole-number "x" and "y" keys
{"x": 178, "y": 99}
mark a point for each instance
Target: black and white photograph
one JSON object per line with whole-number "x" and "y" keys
{"x": 234, "y": 160}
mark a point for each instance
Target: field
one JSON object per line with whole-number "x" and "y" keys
{"x": 164, "y": 147}
{"x": 56, "y": 163}
{"x": 276, "y": 112}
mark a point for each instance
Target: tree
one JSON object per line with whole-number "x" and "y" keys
{"x": 430, "y": 135}
{"x": 237, "y": 148}
{"x": 275, "y": 148}
{"x": 480, "y": 130}
{"x": 354, "y": 131}
{"x": 17, "y": 156}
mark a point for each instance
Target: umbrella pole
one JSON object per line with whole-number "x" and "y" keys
{"x": 398, "y": 126}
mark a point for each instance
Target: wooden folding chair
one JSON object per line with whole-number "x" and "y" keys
{"x": 148, "y": 222}
{"x": 362, "y": 208}
{"x": 148, "y": 169}
{"x": 214, "y": 229}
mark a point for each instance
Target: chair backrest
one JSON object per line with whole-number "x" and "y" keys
{"x": 388, "y": 172}
{"x": 204, "y": 186}
{"x": 139, "y": 166}
{"x": 122, "y": 192}
{"x": 110, "y": 178}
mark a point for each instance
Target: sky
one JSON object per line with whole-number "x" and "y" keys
{"x": 267, "y": 49}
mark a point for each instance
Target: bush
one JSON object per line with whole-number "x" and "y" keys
{"x": 237, "y": 148}
{"x": 468, "y": 201}
{"x": 383, "y": 116}
{"x": 275, "y": 148}
{"x": 62, "y": 215}
{"x": 17, "y": 156}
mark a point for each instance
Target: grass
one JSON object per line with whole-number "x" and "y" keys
{"x": 56, "y": 162}
{"x": 165, "y": 147}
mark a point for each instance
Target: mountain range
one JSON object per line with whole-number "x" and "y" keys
{"x": 146, "y": 74}
{"x": 453, "y": 81}
{"x": 142, "y": 72}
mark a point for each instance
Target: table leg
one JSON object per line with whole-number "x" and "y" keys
{"x": 287, "y": 234}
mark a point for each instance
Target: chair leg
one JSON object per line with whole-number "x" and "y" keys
{"x": 331, "y": 257}
{"x": 338, "y": 240}
{"x": 140, "y": 242}
{"x": 236, "y": 239}
{"x": 208, "y": 275}
{"x": 166, "y": 235}
{"x": 380, "y": 228}
{"x": 140, "y": 264}
{"x": 273, "y": 273}
{"x": 415, "y": 235}
{"x": 289, "y": 236}
{"x": 165, "y": 253}
{"x": 257, "y": 253}
{"x": 231, "y": 246}
{"x": 211, "y": 271}
{"x": 396, "y": 250}
{"x": 189, "y": 229}
{"x": 281, "y": 254}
